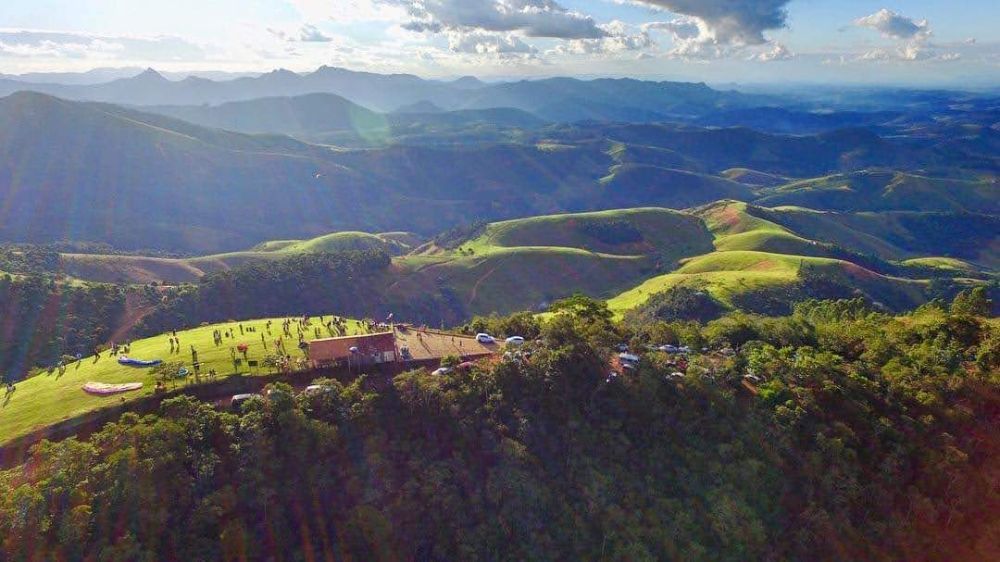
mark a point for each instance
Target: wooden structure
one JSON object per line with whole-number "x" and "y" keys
{"x": 366, "y": 349}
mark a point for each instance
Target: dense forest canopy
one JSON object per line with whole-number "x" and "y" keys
{"x": 864, "y": 436}
{"x": 41, "y": 321}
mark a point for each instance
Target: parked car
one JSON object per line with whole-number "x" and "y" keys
{"x": 485, "y": 338}
{"x": 441, "y": 371}
{"x": 316, "y": 388}
{"x": 621, "y": 348}
{"x": 676, "y": 376}
{"x": 239, "y": 399}
{"x": 627, "y": 358}
{"x": 514, "y": 340}
{"x": 668, "y": 348}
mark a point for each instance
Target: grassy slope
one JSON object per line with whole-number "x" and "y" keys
{"x": 898, "y": 235}
{"x": 751, "y": 254}
{"x": 141, "y": 269}
{"x": 52, "y": 397}
{"x": 734, "y": 229}
{"x": 951, "y": 264}
{"x": 522, "y": 264}
{"x": 886, "y": 191}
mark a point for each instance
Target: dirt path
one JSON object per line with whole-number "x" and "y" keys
{"x": 475, "y": 288}
{"x": 135, "y": 311}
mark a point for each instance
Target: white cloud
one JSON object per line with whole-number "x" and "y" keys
{"x": 778, "y": 52}
{"x": 729, "y": 22}
{"x": 29, "y": 43}
{"x": 489, "y": 43}
{"x": 305, "y": 34}
{"x": 619, "y": 38}
{"x": 912, "y": 38}
{"x": 347, "y": 11}
{"x": 895, "y": 26}
{"x": 533, "y": 18}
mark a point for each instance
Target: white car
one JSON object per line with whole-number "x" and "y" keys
{"x": 315, "y": 388}
{"x": 514, "y": 340}
{"x": 441, "y": 371}
{"x": 485, "y": 338}
{"x": 628, "y": 358}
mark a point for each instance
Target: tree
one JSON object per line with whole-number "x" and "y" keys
{"x": 973, "y": 302}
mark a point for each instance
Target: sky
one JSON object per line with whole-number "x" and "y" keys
{"x": 718, "y": 41}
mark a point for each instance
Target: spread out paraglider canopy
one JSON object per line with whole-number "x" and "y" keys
{"x": 102, "y": 389}
{"x": 123, "y": 360}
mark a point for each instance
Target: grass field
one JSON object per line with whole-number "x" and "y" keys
{"x": 721, "y": 274}
{"x": 51, "y": 397}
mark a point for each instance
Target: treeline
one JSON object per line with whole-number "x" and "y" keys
{"x": 41, "y": 321}
{"x": 28, "y": 259}
{"x": 864, "y": 436}
{"x": 305, "y": 284}
{"x": 813, "y": 283}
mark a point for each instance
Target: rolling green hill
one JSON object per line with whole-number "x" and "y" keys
{"x": 143, "y": 269}
{"x": 875, "y": 190}
{"x": 973, "y": 237}
{"x": 732, "y": 249}
{"x": 758, "y": 257}
{"x": 526, "y": 263}
{"x": 636, "y": 184}
{"x": 731, "y": 274}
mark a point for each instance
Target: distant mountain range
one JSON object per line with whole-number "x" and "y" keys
{"x": 329, "y": 117}
{"x": 556, "y": 99}
{"x": 96, "y": 172}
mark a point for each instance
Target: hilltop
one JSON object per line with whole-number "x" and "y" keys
{"x": 55, "y": 395}
{"x": 145, "y": 269}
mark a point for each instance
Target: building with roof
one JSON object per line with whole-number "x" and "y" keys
{"x": 363, "y": 349}
{"x": 403, "y": 347}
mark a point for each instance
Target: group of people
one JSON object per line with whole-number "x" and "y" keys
{"x": 123, "y": 348}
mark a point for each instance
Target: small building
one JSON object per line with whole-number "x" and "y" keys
{"x": 367, "y": 349}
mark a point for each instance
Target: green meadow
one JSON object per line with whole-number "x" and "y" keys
{"x": 57, "y": 395}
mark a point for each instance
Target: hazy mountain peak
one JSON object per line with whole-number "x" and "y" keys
{"x": 423, "y": 106}
{"x": 150, "y": 75}
{"x": 468, "y": 82}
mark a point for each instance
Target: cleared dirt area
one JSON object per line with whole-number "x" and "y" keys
{"x": 429, "y": 345}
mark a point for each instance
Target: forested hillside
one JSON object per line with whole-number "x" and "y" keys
{"x": 101, "y": 174}
{"x": 836, "y": 433}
